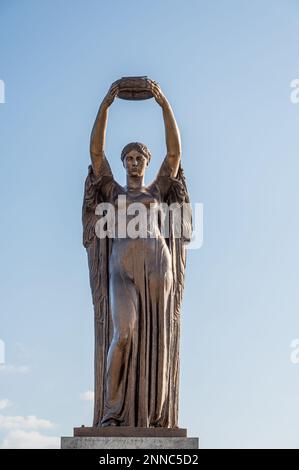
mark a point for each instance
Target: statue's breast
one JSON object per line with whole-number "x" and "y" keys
{"x": 139, "y": 207}
{"x": 130, "y": 197}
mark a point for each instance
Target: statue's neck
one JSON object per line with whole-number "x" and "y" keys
{"x": 135, "y": 182}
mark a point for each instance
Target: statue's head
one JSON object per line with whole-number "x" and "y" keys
{"x": 135, "y": 157}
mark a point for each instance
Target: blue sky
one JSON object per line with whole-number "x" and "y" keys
{"x": 226, "y": 67}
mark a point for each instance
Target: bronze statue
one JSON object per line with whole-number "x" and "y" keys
{"x": 136, "y": 283}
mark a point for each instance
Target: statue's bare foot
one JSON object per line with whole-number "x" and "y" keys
{"x": 110, "y": 422}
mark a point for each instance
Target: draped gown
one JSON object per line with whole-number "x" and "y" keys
{"x": 137, "y": 287}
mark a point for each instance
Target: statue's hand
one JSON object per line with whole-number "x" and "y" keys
{"x": 111, "y": 95}
{"x": 158, "y": 94}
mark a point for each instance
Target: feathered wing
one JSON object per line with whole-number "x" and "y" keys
{"x": 98, "y": 256}
{"x": 177, "y": 194}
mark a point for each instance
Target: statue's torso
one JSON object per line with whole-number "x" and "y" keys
{"x": 138, "y": 245}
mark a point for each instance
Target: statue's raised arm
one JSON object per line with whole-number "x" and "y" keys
{"x": 172, "y": 134}
{"x": 98, "y": 133}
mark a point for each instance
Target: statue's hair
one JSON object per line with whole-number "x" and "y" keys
{"x": 142, "y": 148}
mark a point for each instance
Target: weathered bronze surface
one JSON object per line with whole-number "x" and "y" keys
{"x": 137, "y": 284}
{"x": 134, "y": 88}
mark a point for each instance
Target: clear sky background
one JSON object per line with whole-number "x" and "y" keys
{"x": 226, "y": 67}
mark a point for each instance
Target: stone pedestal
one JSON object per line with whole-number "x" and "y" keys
{"x": 123, "y": 437}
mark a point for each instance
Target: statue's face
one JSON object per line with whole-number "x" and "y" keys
{"x": 135, "y": 163}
